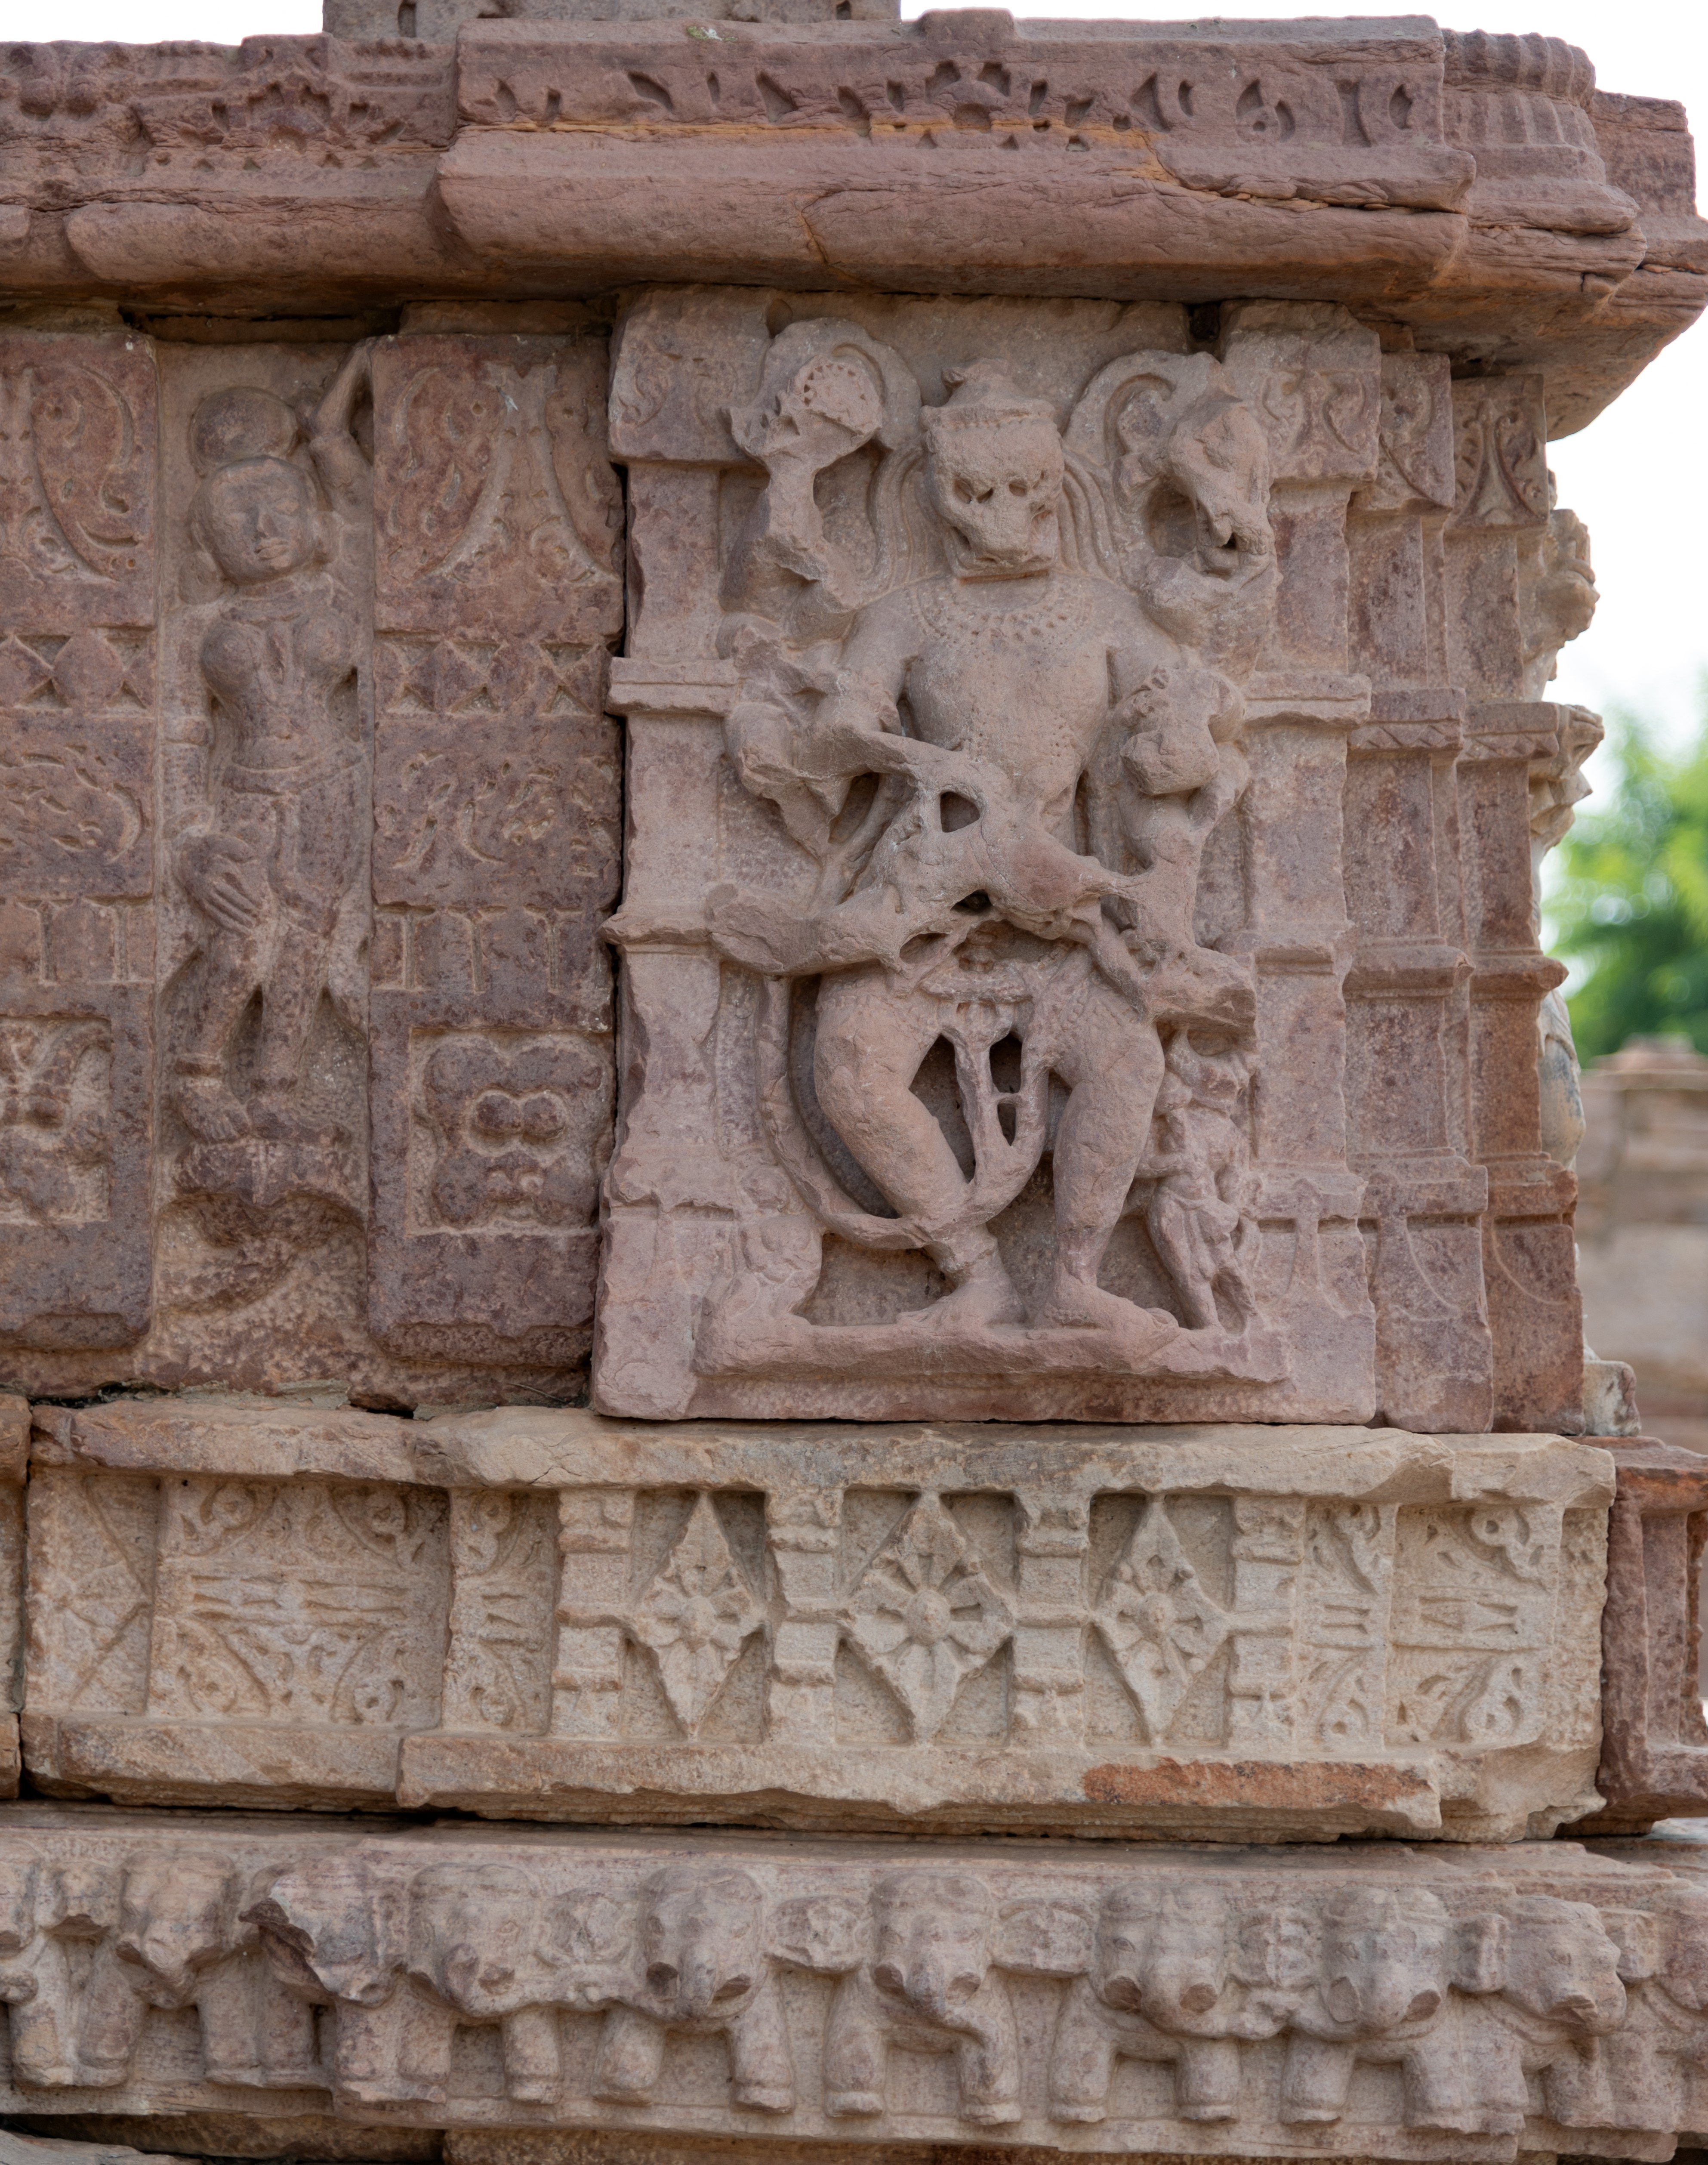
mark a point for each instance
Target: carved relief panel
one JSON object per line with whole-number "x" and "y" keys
{"x": 368, "y": 1142}
{"x": 497, "y": 842}
{"x": 545, "y": 1613}
{"x": 77, "y": 531}
{"x": 266, "y": 779}
{"x": 983, "y": 921}
{"x": 1364, "y": 2001}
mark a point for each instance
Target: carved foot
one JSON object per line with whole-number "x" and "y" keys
{"x": 983, "y": 1297}
{"x": 208, "y": 1109}
{"x": 853, "y": 2105}
{"x": 1076, "y": 1303}
{"x": 759, "y": 2099}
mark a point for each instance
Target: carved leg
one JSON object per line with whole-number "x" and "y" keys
{"x": 285, "y": 2044}
{"x": 1316, "y": 2076}
{"x": 43, "y": 2056}
{"x": 226, "y": 2008}
{"x": 230, "y": 971}
{"x": 856, "y": 2047}
{"x": 1436, "y": 2093}
{"x": 368, "y": 2053}
{"x": 870, "y": 1044}
{"x": 988, "y": 2059}
{"x": 532, "y": 2064}
{"x": 1111, "y": 1062}
{"x": 631, "y": 2056}
{"x": 1645, "y": 2087}
{"x": 1576, "y": 2088}
{"x": 289, "y": 999}
{"x": 1171, "y": 1224}
{"x": 1081, "y": 2058}
{"x": 758, "y": 2053}
{"x": 1206, "y": 2078}
{"x": 426, "y": 2034}
{"x": 1500, "y": 2093}
{"x": 110, "y": 2026}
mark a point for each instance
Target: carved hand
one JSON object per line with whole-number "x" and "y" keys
{"x": 221, "y": 877}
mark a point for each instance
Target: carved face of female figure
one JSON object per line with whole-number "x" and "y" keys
{"x": 997, "y": 487}
{"x": 258, "y": 519}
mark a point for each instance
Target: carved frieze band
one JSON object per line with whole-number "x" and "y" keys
{"x": 1403, "y": 1639}
{"x": 1373, "y": 2002}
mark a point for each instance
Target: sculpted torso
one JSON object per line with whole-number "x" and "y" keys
{"x": 273, "y": 661}
{"x": 1013, "y": 675}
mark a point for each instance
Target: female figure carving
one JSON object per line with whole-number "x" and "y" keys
{"x": 276, "y": 862}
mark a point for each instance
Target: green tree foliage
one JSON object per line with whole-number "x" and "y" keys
{"x": 1630, "y": 903}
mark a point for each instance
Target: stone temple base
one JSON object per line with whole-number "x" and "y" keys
{"x": 1371, "y": 2001}
{"x": 1236, "y": 1634}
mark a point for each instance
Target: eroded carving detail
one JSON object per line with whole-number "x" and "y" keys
{"x": 56, "y": 1121}
{"x": 274, "y": 862}
{"x": 300, "y": 1603}
{"x": 1104, "y": 1644}
{"x": 999, "y": 929}
{"x": 1527, "y": 1994}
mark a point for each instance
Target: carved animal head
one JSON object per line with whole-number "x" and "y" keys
{"x": 1187, "y": 458}
{"x": 1386, "y": 1957}
{"x": 1561, "y": 1965}
{"x": 79, "y": 1900}
{"x": 932, "y": 1940}
{"x": 822, "y": 395}
{"x": 338, "y": 1927}
{"x": 994, "y": 470}
{"x": 701, "y": 1940}
{"x": 176, "y": 1916}
{"x": 1216, "y": 457}
{"x": 474, "y": 1934}
{"x": 1163, "y": 1952}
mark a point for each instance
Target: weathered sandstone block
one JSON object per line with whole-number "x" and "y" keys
{"x": 310, "y": 815}
{"x": 1079, "y": 941}
{"x": 1241, "y": 1633}
{"x": 1369, "y": 2001}
{"x": 1477, "y": 190}
{"x": 1654, "y": 1744}
{"x": 14, "y": 1447}
{"x": 1155, "y": 1039}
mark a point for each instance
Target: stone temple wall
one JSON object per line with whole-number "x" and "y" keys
{"x": 791, "y": 1346}
{"x": 1643, "y": 1224}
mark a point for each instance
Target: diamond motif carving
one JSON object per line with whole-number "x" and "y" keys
{"x": 925, "y": 1615}
{"x": 1157, "y": 1620}
{"x": 697, "y": 1616}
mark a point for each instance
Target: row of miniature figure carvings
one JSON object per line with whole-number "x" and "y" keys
{"x": 916, "y": 1629}
{"x": 1257, "y": 1988}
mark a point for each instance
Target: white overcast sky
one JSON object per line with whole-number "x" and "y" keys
{"x": 1639, "y": 475}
